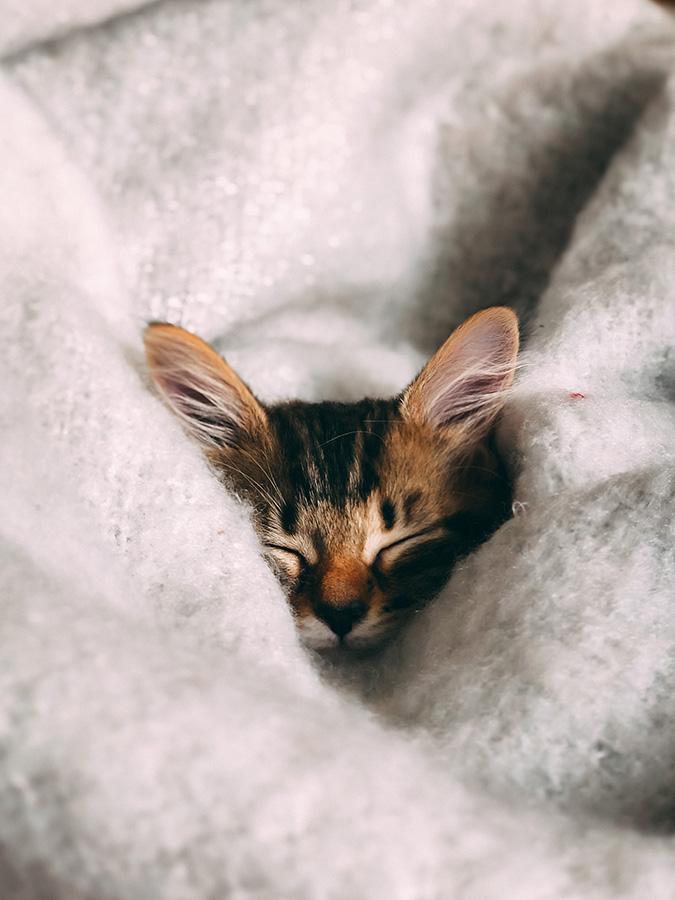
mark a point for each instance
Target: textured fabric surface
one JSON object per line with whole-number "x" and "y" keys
{"x": 324, "y": 188}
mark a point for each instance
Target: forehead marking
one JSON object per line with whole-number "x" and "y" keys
{"x": 388, "y": 512}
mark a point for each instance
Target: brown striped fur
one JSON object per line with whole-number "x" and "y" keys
{"x": 362, "y": 508}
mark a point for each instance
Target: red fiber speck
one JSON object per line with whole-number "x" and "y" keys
{"x": 576, "y": 396}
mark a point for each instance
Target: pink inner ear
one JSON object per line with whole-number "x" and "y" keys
{"x": 472, "y": 395}
{"x": 465, "y": 381}
{"x": 200, "y": 388}
{"x": 194, "y": 403}
{"x": 210, "y": 415}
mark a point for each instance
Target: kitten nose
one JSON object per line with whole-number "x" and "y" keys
{"x": 341, "y": 619}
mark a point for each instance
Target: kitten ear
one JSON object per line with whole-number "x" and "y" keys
{"x": 211, "y": 401}
{"x": 465, "y": 381}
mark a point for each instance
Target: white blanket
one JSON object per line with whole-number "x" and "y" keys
{"x": 324, "y": 188}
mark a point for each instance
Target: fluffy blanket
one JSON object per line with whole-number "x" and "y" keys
{"x": 325, "y": 188}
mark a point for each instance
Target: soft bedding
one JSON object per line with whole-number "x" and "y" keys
{"x": 323, "y": 189}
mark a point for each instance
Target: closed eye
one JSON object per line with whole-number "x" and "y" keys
{"x": 392, "y": 552}
{"x": 291, "y": 561}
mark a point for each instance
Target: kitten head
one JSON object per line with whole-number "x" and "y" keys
{"x": 362, "y": 508}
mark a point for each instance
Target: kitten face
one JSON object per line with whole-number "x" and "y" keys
{"x": 362, "y": 513}
{"x": 362, "y": 508}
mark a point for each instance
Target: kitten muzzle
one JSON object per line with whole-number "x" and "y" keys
{"x": 341, "y": 619}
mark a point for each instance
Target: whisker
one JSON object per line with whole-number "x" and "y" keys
{"x": 256, "y": 484}
{"x": 266, "y": 471}
{"x": 347, "y": 433}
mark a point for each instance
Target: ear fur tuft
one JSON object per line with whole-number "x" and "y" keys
{"x": 211, "y": 401}
{"x": 465, "y": 382}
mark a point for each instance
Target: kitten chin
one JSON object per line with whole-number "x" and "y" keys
{"x": 362, "y": 508}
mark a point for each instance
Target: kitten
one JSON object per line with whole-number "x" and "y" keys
{"x": 362, "y": 508}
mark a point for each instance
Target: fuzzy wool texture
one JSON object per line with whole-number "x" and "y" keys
{"x": 324, "y": 189}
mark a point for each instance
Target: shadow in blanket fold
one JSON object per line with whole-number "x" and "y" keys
{"x": 505, "y": 206}
{"x": 33, "y": 882}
